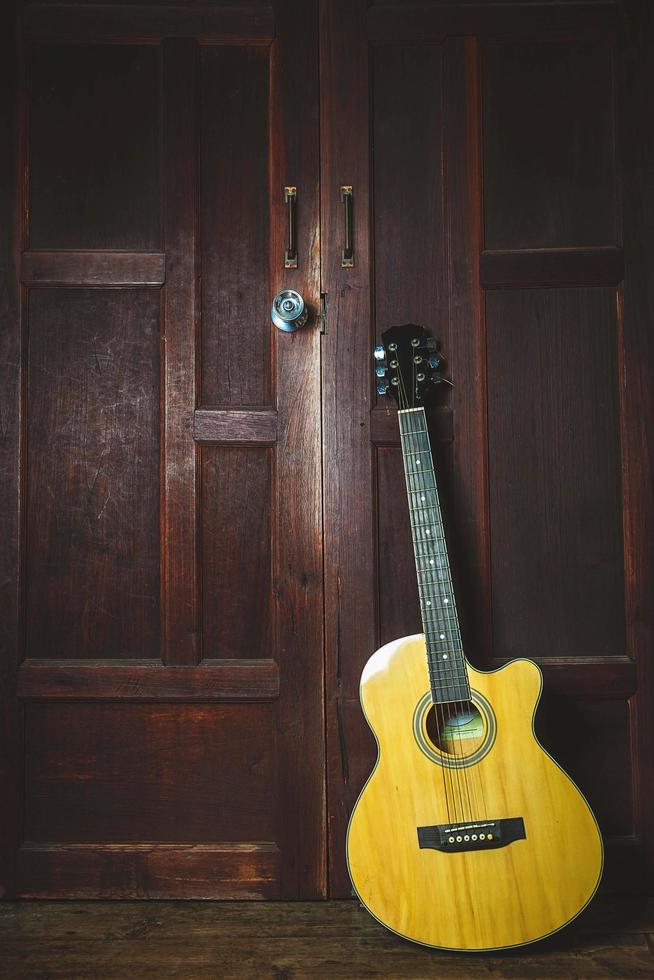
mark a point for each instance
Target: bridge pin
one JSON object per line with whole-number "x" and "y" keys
{"x": 489, "y": 836}
{"x": 474, "y": 837}
{"x": 466, "y": 837}
{"x": 482, "y": 837}
{"x": 459, "y": 839}
{"x": 451, "y": 840}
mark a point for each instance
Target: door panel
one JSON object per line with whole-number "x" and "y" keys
{"x": 91, "y": 576}
{"x": 94, "y": 146}
{"x": 549, "y": 166}
{"x": 491, "y": 166}
{"x": 234, "y": 160}
{"x": 170, "y": 666}
{"x": 553, "y": 425}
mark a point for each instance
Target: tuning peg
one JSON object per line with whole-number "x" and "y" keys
{"x": 380, "y": 370}
{"x": 380, "y": 353}
{"x": 382, "y": 387}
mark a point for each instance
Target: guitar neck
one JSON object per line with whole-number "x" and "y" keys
{"x": 447, "y": 667}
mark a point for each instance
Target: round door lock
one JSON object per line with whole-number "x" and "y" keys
{"x": 288, "y": 311}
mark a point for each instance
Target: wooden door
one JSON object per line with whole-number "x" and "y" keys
{"x": 162, "y": 566}
{"x": 499, "y": 176}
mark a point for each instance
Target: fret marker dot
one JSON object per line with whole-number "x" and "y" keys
{"x": 442, "y": 636}
{"x": 446, "y": 601}
{"x": 428, "y": 602}
{"x": 417, "y": 462}
{"x": 427, "y": 531}
{"x": 444, "y": 656}
{"x": 431, "y": 561}
{"x": 422, "y": 498}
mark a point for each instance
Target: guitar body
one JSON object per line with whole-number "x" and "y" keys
{"x": 474, "y": 896}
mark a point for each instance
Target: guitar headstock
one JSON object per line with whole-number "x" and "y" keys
{"x": 407, "y": 365}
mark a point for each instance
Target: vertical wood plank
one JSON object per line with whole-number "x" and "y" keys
{"x": 297, "y": 493}
{"x": 350, "y": 608}
{"x": 179, "y": 585}
{"x": 10, "y": 297}
{"x": 467, "y": 354}
{"x": 635, "y": 317}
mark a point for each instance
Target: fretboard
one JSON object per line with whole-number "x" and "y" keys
{"x": 446, "y": 662}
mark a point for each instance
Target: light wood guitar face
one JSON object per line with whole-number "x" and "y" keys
{"x": 474, "y": 899}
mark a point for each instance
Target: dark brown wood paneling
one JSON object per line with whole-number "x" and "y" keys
{"x": 636, "y": 315}
{"x": 235, "y": 426}
{"x": 415, "y": 21}
{"x": 96, "y": 268}
{"x": 216, "y": 680}
{"x": 399, "y": 612}
{"x": 548, "y": 145}
{"x": 217, "y": 871}
{"x": 180, "y": 310}
{"x": 234, "y": 201}
{"x": 350, "y": 607}
{"x": 116, "y": 773}
{"x": 297, "y": 500}
{"x": 117, "y": 21}
{"x": 554, "y": 459}
{"x": 236, "y": 547}
{"x": 338, "y": 940}
{"x": 11, "y": 221}
{"x": 94, "y": 147}
{"x": 601, "y": 266}
{"x": 578, "y": 733}
{"x": 407, "y": 95}
{"x": 464, "y": 486}
{"x": 92, "y": 514}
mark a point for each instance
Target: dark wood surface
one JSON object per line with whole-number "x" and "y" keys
{"x": 216, "y": 680}
{"x": 516, "y": 156}
{"x": 554, "y": 466}
{"x": 426, "y": 109}
{"x": 297, "y": 940}
{"x": 235, "y": 238}
{"x": 350, "y": 533}
{"x": 180, "y": 316}
{"x": 11, "y": 243}
{"x": 93, "y": 268}
{"x": 92, "y": 404}
{"x": 115, "y": 22}
{"x": 635, "y": 312}
{"x": 169, "y": 459}
{"x": 549, "y": 155}
{"x": 102, "y": 191}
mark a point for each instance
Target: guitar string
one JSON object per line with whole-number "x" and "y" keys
{"x": 465, "y": 706}
{"x": 445, "y": 708}
{"x": 455, "y": 736}
{"x": 437, "y": 708}
{"x": 451, "y": 742}
{"x": 446, "y": 580}
{"x": 451, "y": 816}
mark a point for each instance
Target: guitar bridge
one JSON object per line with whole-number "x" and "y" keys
{"x": 473, "y": 835}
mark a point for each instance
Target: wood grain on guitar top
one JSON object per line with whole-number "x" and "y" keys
{"x": 476, "y": 899}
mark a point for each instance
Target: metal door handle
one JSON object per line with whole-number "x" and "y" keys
{"x": 347, "y": 255}
{"x": 290, "y": 253}
{"x": 288, "y": 311}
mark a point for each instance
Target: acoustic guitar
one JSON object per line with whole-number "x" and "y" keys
{"x": 467, "y": 834}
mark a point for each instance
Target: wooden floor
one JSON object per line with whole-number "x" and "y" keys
{"x": 144, "y": 940}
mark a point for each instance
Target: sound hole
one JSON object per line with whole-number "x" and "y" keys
{"x": 455, "y": 729}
